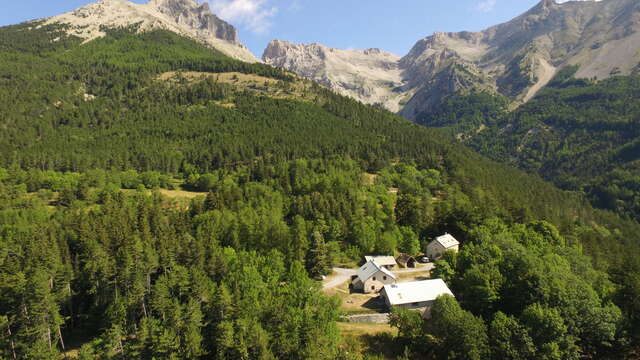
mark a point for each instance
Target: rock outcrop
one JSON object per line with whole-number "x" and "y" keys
{"x": 185, "y": 17}
{"x": 197, "y": 16}
{"x": 515, "y": 59}
{"x": 372, "y": 76}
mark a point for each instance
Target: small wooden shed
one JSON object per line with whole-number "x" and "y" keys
{"x": 406, "y": 261}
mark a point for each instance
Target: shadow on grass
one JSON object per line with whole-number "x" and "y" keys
{"x": 383, "y": 345}
{"x": 376, "y": 304}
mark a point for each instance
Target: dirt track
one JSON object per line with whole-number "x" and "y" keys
{"x": 342, "y": 275}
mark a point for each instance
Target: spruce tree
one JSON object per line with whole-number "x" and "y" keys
{"x": 317, "y": 258}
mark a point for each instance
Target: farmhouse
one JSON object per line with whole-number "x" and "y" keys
{"x": 441, "y": 244}
{"x": 416, "y": 295}
{"x": 371, "y": 277}
{"x": 406, "y": 261}
{"x": 386, "y": 261}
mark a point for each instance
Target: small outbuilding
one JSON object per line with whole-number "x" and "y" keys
{"x": 386, "y": 261}
{"x": 415, "y": 295}
{"x": 371, "y": 277}
{"x": 443, "y": 243}
{"x": 406, "y": 261}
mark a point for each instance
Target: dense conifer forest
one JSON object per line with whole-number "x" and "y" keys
{"x": 583, "y": 135}
{"x": 96, "y": 263}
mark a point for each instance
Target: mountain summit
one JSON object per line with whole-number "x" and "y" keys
{"x": 184, "y": 17}
{"x": 515, "y": 59}
{"x": 367, "y": 75}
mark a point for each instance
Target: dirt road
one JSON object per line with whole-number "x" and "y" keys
{"x": 339, "y": 277}
{"x": 421, "y": 268}
{"x": 342, "y": 275}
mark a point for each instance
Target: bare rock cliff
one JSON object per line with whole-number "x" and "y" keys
{"x": 371, "y": 76}
{"x": 197, "y": 16}
{"x": 184, "y": 17}
{"x": 515, "y": 59}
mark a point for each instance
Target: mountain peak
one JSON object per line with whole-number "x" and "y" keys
{"x": 166, "y": 2}
{"x": 515, "y": 59}
{"x": 184, "y": 17}
{"x": 547, "y": 3}
{"x": 197, "y": 16}
{"x": 176, "y": 3}
{"x": 369, "y": 75}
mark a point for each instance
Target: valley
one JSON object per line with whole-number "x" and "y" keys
{"x": 514, "y": 59}
{"x": 164, "y": 195}
{"x": 480, "y": 87}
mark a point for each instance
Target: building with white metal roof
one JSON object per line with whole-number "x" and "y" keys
{"x": 415, "y": 294}
{"x": 387, "y": 261}
{"x": 441, "y": 244}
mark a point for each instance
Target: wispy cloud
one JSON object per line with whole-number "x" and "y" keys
{"x": 486, "y": 5}
{"x": 255, "y": 15}
{"x": 295, "y": 6}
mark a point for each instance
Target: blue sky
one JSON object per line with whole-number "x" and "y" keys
{"x": 392, "y": 25}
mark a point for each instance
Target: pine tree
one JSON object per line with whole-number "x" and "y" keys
{"x": 7, "y": 343}
{"x": 299, "y": 239}
{"x": 42, "y": 316}
{"x": 317, "y": 258}
{"x": 191, "y": 333}
{"x": 211, "y": 201}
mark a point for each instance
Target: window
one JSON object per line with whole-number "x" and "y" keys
{"x": 373, "y": 287}
{"x": 374, "y": 278}
{"x": 384, "y": 277}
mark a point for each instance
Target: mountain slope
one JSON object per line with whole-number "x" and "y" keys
{"x": 97, "y": 107}
{"x": 184, "y": 17}
{"x": 371, "y": 76}
{"x": 515, "y": 59}
{"x": 294, "y": 179}
{"x": 581, "y": 134}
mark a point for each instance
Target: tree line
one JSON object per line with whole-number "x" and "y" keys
{"x": 90, "y": 260}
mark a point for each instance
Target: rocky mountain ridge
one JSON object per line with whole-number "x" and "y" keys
{"x": 370, "y": 75}
{"x": 184, "y": 17}
{"x": 514, "y": 59}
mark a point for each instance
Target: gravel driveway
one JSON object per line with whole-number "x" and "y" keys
{"x": 342, "y": 275}
{"x": 339, "y": 277}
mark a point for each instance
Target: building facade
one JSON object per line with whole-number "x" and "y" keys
{"x": 439, "y": 245}
{"x": 372, "y": 277}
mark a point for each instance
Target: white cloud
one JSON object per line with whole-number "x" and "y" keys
{"x": 253, "y": 14}
{"x": 486, "y": 5}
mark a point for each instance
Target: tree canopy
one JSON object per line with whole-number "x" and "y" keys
{"x": 293, "y": 180}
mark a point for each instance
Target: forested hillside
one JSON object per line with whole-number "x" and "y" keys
{"x": 96, "y": 263}
{"x": 583, "y": 135}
